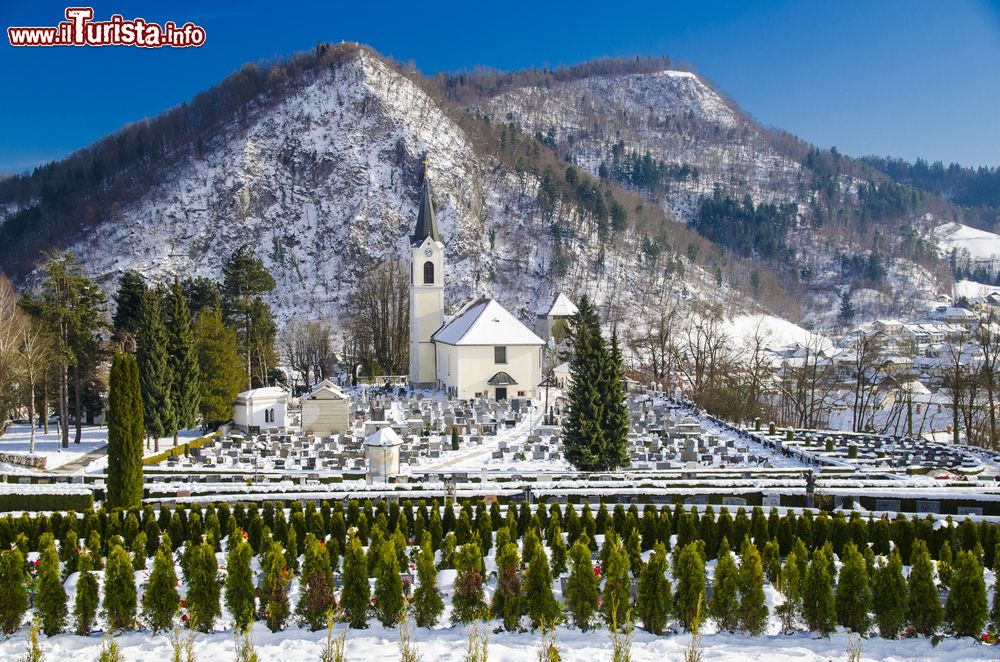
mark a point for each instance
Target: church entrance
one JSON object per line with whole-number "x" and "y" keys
{"x": 501, "y": 393}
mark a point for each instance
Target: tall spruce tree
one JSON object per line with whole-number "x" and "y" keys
{"x": 924, "y": 607}
{"x": 245, "y": 282}
{"x": 160, "y": 599}
{"x": 427, "y": 602}
{"x": 50, "y": 603}
{"x": 182, "y": 356}
{"x": 583, "y": 433}
{"x": 652, "y": 604}
{"x": 966, "y": 609}
{"x": 221, "y": 374}
{"x": 818, "y": 604}
{"x": 240, "y": 591}
{"x": 125, "y": 431}
{"x": 155, "y": 377}
{"x": 128, "y": 301}
{"x": 889, "y": 596}
{"x": 582, "y": 592}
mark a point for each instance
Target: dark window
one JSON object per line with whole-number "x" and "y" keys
{"x": 428, "y": 273}
{"x": 500, "y": 355}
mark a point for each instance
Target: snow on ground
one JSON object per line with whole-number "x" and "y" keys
{"x": 981, "y": 245}
{"x": 971, "y": 289}
{"x": 778, "y": 332}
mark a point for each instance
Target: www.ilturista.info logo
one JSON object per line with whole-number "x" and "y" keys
{"x": 79, "y": 29}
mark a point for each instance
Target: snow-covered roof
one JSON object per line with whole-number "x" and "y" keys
{"x": 485, "y": 322}
{"x": 267, "y": 392}
{"x": 384, "y": 437}
{"x": 561, "y": 306}
{"x": 326, "y": 385}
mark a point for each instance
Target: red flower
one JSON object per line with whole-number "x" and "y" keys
{"x": 597, "y": 571}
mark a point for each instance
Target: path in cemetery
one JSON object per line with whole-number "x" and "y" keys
{"x": 519, "y": 431}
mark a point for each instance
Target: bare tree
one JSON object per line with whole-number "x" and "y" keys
{"x": 654, "y": 345}
{"x": 987, "y": 339}
{"x": 869, "y": 377}
{"x": 12, "y": 321}
{"x": 955, "y": 376}
{"x": 378, "y": 319}
{"x": 34, "y": 349}
{"x": 308, "y": 348}
{"x": 806, "y": 385}
{"x": 705, "y": 353}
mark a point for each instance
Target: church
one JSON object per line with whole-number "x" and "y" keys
{"x": 483, "y": 350}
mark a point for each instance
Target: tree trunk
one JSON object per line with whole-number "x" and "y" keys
{"x": 64, "y": 405}
{"x": 31, "y": 409}
{"x": 77, "y": 412}
{"x": 45, "y": 401}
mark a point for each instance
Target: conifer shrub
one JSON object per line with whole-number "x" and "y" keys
{"x": 772, "y": 561}
{"x": 722, "y": 607}
{"x": 86, "y": 601}
{"x": 427, "y": 602}
{"x": 924, "y": 607}
{"x": 388, "y": 586}
{"x": 50, "y": 603}
{"x": 240, "y": 593}
{"x": 274, "y": 588}
{"x": 752, "y": 608}
{"x": 203, "y": 587}
{"x": 506, "y": 605}
{"x": 12, "y": 587}
{"x": 889, "y": 596}
{"x": 582, "y": 586}
{"x": 689, "y": 593}
{"x": 316, "y": 596}
{"x": 467, "y": 600}
{"x": 355, "y": 597}
{"x": 540, "y": 605}
{"x": 854, "y": 596}
{"x": 160, "y": 600}
{"x": 653, "y": 600}
{"x": 119, "y": 591}
{"x": 818, "y": 604}
{"x": 966, "y": 608}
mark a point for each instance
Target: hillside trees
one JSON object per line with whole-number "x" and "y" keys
{"x": 220, "y": 369}
{"x": 125, "y": 432}
{"x": 245, "y": 283}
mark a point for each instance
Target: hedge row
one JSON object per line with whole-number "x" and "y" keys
{"x": 176, "y": 451}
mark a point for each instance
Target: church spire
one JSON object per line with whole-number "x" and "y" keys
{"x": 426, "y": 223}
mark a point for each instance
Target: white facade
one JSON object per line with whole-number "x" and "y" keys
{"x": 382, "y": 453}
{"x": 426, "y": 290}
{"x": 325, "y": 411}
{"x": 261, "y": 409}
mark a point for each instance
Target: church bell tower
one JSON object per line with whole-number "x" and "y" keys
{"x": 426, "y": 289}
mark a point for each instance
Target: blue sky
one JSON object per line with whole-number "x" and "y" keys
{"x": 903, "y": 78}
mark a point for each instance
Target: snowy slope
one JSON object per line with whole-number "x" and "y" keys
{"x": 980, "y": 244}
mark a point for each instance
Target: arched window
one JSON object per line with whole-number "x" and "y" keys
{"x": 428, "y": 273}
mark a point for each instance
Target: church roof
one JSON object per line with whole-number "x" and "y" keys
{"x": 426, "y": 223}
{"x": 561, "y": 306}
{"x": 485, "y": 322}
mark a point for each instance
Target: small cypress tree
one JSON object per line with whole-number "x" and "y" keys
{"x": 506, "y": 604}
{"x": 889, "y": 596}
{"x": 467, "y": 600}
{"x": 539, "y": 603}
{"x": 772, "y": 561}
{"x": 944, "y": 563}
{"x": 274, "y": 588}
{"x": 722, "y": 607}
{"x": 966, "y": 609}
{"x": 854, "y": 596}
{"x": 85, "y": 602}
{"x": 119, "y": 590}
{"x": 160, "y": 600}
{"x": 50, "y": 603}
{"x": 388, "y": 586}
{"x": 558, "y": 548}
{"x": 427, "y": 602}
{"x": 12, "y": 587}
{"x": 203, "y": 587}
{"x": 292, "y": 550}
{"x": 818, "y": 603}
{"x": 653, "y": 601}
{"x": 924, "y": 607}
{"x": 790, "y": 586}
{"x": 316, "y": 585}
{"x": 752, "y": 608}
{"x": 454, "y": 439}
{"x": 355, "y": 596}
{"x": 125, "y": 433}
{"x": 616, "y": 596}
{"x": 240, "y": 593}
{"x": 582, "y": 587}
{"x": 690, "y": 587}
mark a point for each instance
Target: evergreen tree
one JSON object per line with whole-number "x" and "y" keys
{"x": 690, "y": 591}
{"x": 245, "y": 282}
{"x": 722, "y": 607}
{"x": 506, "y": 604}
{"x": 155, "y": 377}
{"x": 388, "y": 586}
{"x": 539, "y": 603}
{"x": 854, "y": 596}
{"x": 772, "y": 561}
{"x": 12, "y": 587}
{"x": 182, "y": 355}
{"x": 889, "y": 597}
{"x": 203, "y": 587}
{"x": 846, "y": 308}
{"x": 558, "y": 548}
{"x": 240, "y": 593}
{"x": 616, "y": 597}
{"x": 355, "y": 595}
{"x": 85, "y": 602}
{"x": 274, "y": 588}
{"x": 818, "y": 604}
{"x": 160, "y": 600}
{"x": 753, "y": 604}
{"x": 125, "y": 431}
{"x": 427, "y": 602}
{"x": 924, "y": 610}
{"x": 944, "y": 563}
{"x": 966, "y": 609}
{"x": 120, "y": 600}
{"x": 653, "y": 601}
{"x": 128, "y": 302}
{"x": 790, "y": 586}
{"x": 316, "y": 597}
{"x": 467, "y": 599}
{"x": 221, "y": 373}
{"x": 582, "y": 586}
{"x": 50, "y": 603}
{"x": 615, "y": 422}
